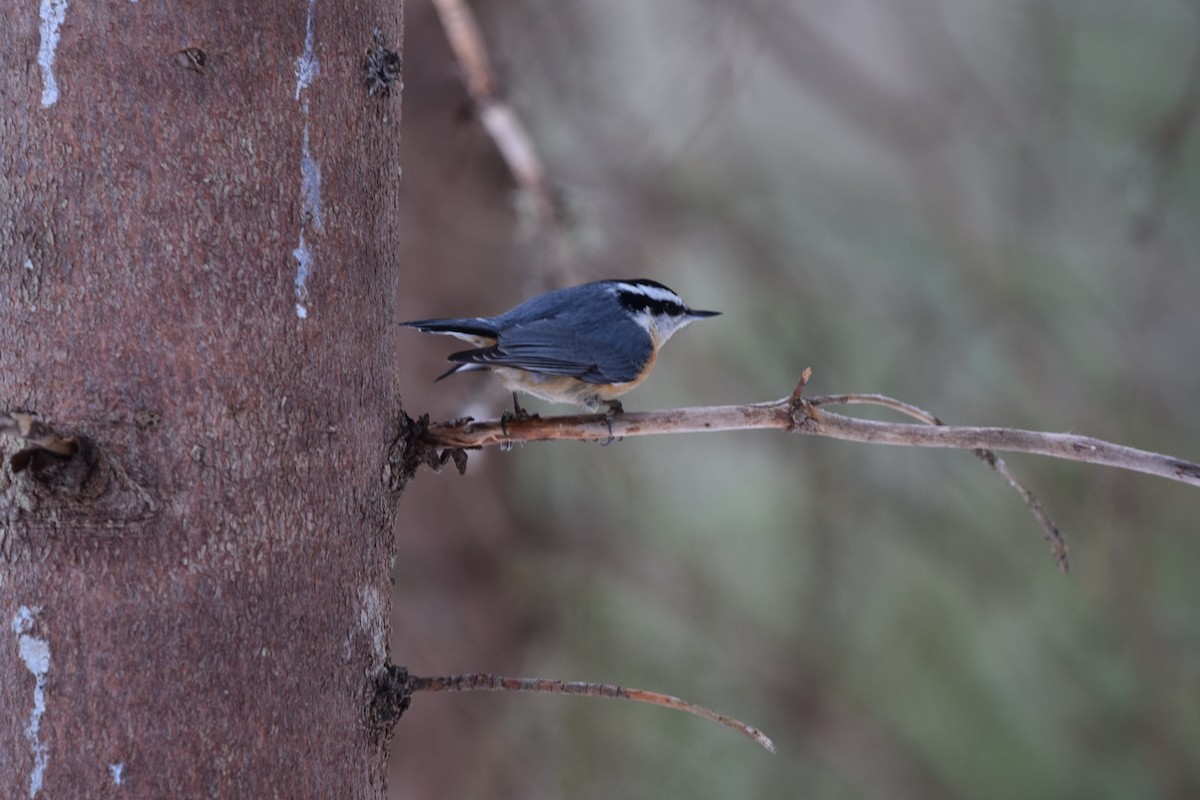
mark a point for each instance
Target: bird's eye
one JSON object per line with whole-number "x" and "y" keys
{"x": 657, "y": 306}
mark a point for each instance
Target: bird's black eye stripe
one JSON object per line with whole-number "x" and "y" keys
{"x": 636, "y": 301}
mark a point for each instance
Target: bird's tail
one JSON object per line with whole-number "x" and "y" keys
{"x": 473, "y": 326}
{"x": 477, "y": 330}
{"x": 460, "y": 368}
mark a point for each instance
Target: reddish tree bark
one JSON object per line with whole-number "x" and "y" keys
{"x": 206, "y": 612}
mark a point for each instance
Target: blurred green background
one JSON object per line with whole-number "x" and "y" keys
{"x": 990, "y": 210}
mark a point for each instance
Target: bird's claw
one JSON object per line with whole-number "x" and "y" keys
{"x": 614, "y": 408}
{"x": 518, "y": 414}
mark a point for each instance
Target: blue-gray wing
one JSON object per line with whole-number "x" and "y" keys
{"x": 602, "y": 349}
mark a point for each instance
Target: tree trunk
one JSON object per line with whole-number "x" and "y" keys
{"x": 196, "y": 281}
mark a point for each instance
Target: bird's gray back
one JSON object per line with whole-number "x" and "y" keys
{"x": 566, "y": 333}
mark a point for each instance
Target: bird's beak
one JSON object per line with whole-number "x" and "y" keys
{"x": 694, "y": 314}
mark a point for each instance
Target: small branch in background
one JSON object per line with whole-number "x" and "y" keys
{"x": 1165, "y": 148}
{"x": 503, "y": 124}
{"x": 482, "y": 681}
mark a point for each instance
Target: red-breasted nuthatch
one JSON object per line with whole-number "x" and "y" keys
{"x": 585, "y": 345}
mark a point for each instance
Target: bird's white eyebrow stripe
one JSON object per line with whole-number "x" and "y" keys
{"x": 653, "y": 292}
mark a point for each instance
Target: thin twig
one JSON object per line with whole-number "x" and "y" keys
{"x": 880, "y": 400}
{"x": 477, "y": 681}
{"x": 1050, "y": 531}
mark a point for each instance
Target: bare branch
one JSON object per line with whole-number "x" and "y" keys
{"x": 477, "y": 681}
{"x": 1012, "y": 440}
{"x": 808, "y": 417}
{"x": 796, "y": 414}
